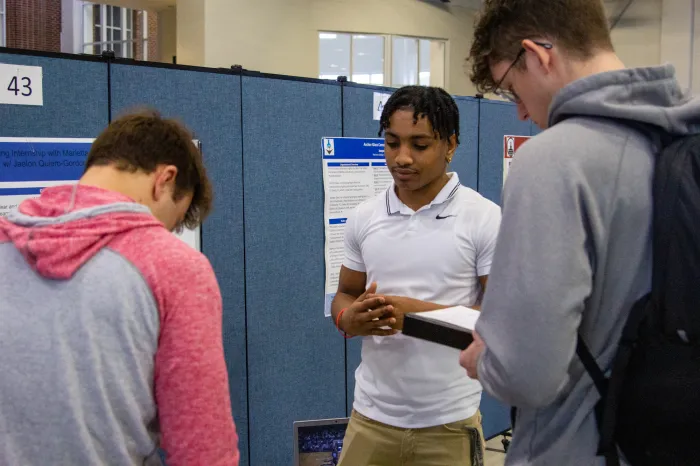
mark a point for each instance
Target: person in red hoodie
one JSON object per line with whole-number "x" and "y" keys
{"x": 110, "y": 326}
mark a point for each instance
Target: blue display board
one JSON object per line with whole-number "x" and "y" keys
{"x": 466, "y": 160}
{"x": 295, "y": 355}
{"x": 209, "y": 103}
{"x": 73, "y": 108}
{"x": 497, "y": 119}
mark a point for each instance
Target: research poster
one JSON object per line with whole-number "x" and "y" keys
{"x": 354, "y": 169}
{"x": 28, "y": 165}
{"x": 511, "y": 144}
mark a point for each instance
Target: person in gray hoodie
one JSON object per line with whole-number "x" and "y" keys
{"x": 110, "y": 325}
{"x": 574, "y": 249}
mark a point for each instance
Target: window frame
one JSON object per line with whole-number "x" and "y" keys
{"x": 353, "y": 35}
{"x": 128, "y": 46}
{"x": 144, "y": 45}
{"x": 388, "y": 54}
{"x": 3, "y": 23}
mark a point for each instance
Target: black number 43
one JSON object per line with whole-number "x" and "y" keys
{"x": 26, "y": 86}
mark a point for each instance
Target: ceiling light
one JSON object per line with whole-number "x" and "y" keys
{"x": 326, "y": 35}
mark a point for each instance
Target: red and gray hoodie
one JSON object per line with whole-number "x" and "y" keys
{"x": 110, "y": 338}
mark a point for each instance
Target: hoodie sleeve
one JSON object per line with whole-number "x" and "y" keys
{"x": 190, "y": 377}
{"x": 191, "y": 380}
{"x": 540, "y": 278}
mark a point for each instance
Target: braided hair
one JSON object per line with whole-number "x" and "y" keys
{"x": 432, "y": 102}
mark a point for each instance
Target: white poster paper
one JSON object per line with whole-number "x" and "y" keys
{"x": 21, "y": 85}
{"x": 354, "y": 169}
{"x": 28, "y": 165}
{"x": 511, "y": 144}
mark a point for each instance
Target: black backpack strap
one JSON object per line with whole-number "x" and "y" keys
{"x": 606, "y": 447}
{"x": 584, "y": 354}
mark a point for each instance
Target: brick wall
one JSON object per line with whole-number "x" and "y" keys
{"x": 153, "y": 53}
{"x": 152, "y": 28}
{"x": 138, "y": 34}
{"x": 34, "y": 24}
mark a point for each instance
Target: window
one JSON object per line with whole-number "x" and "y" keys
{"x": 404, "y": 58}
{"x": 107, "y": 27}
{"x": 362, "y": 58}
{"x": 335, "y": 53}
{"x": 2, "y": 24}
{"x": 368, "y": 59}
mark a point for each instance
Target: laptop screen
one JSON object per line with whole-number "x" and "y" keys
{"x": 319, "y": 443}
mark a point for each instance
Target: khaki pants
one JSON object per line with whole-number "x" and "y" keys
{"x": 371, "y": 443}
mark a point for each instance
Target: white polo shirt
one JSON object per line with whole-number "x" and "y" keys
{"x": 435, "y": 254}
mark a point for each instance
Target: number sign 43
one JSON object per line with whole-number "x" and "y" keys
{"x": 21, "y": 85}
{"x": 26, "y": 86}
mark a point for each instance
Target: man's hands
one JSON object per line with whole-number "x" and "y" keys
{"x": 400, "y": 306}
{"x": 469, "y": 359}
{"x": 368, "y": 314}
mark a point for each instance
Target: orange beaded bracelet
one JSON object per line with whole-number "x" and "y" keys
{"x": 337, "y": 323}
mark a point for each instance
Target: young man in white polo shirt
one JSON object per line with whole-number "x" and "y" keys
{"x": 424, "y": 244}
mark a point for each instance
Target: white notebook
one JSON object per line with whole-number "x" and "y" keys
{"x": 458, "y": 316}
{"x": 452, "y": 327}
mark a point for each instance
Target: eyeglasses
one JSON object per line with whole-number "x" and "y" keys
{"x": 510, "y": 94}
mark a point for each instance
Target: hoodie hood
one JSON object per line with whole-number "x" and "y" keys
{"x": 66, "y": 226}
{"x": 651, "y": 96}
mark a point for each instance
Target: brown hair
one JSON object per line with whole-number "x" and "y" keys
{"x": 144, "y": 140}
{"x": 579, "y": 27}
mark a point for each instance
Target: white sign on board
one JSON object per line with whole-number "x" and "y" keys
{"x": 379, "y": 103}
{"x": 21, "y": 85}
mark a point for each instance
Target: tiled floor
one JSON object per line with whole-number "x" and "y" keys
{"x": 495, "y": 456}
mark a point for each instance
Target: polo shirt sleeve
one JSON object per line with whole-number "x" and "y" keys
{"x": 353, "y": 253}
{"x": 486, "y": 237}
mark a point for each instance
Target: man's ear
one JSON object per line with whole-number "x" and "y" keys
{"x": 542, "y": 56}
{"x": 451, "y": 147}
{"x": 165, "y": 181}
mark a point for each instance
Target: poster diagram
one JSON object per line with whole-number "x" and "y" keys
{"x": 511, "y": 144}
{"x": 28, "y": 165}
{"x": 354, "y": 170}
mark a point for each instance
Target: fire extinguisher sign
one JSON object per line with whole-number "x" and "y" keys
{"x": 510, "y": 147}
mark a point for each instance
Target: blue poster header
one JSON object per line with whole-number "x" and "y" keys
{"x": 42, "y": 161}
{"x": 348, "y": 164}
{"x": 352, "y": 148}
{"x": 20, "y": 191}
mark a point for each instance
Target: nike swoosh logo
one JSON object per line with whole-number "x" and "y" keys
{"x": 443, "y": 218}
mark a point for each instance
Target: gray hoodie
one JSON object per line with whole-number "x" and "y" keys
{"x": 573, "y": 255}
